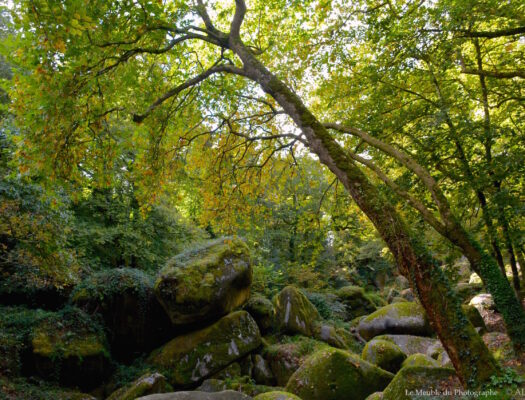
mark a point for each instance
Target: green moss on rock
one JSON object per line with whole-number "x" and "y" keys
{"x": 419, "y": 360}
{"x": 206, "y": 283}
{"x": 401, "y": 318}
{"x": 411, "y": 379}
{"x": 72, "y": 347}
{"x": 276, "y": 396}
{"x": 146, "y": 384}
{"x": 410, "y": 344}
{"x": 384, "y": 354}
{"x": 333, "y": 374}
{"x": 285, "y": 358}
{"x": 262, "y": 311}
{"x": 192, "y": 357}
{"x": 357, "y": 303}
{"x": 475, "y": 317}
{"x": 294, "y": 313}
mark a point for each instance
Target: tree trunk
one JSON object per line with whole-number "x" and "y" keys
{"x": 450, "y": 228}
{"x": 469, "y": 355}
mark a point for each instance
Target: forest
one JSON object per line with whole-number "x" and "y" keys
{"x": 262, "y": 199}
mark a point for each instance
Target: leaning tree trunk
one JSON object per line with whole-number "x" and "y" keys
{"x": 469, "y": 355}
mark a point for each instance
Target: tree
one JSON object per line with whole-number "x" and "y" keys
{"x": 84, "y": 74}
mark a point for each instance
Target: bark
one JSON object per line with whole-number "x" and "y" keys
{"x": 449, "y": 227}
{"x": 472, "y": 360}
{"x": 488, "y": 155}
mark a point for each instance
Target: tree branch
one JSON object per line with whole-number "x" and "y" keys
{"x": 240, "y": 11}
{"x": 189, "y": 83}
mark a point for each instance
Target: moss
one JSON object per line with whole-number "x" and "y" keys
{"x": 68, "y": 333}
{"x": 419, "y": 360}
{"x": 294, "y": 312}
{"x": 16, "y": 325}
{"x": 357, "y": 303}
{"x": 332, "y": 374}
{"x": 192, "y": 357}
{"x": 207, "y": 282}
{"x": 375, "y": 396}
{"x": 70, "y": 346}
{"x": 474, "y": 317}
{"x": 285, "y": 358}
{"x": 21, "y": 388}
{"x": 384, "y": 354}
{"x": 145, "y": 385}
{"x": 134, "y": 320}
{"x": 277, "y": 395}
{"x": 403, "y": 318}
{"x": 410, "y": 379}
{"x": 262, "y": 310}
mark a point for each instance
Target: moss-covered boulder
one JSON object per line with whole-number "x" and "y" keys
{"x": 34, "y": 389}
{"x": 285, "y": 358}
{"x": 16, "y": 325}
{"x": 134, "y": 319}
{"x": 466, "y": 291}
{"x": 398, "y": 318}
{"x": 276, "y": 396}
{"x": 70, "y": 346}
{"x": 204, "y": 284}
{"x": 225, "y": 395}
{"x": 384, "y": 354}
{"x": 410, "y": 344}
{"x": 146, "y": 384}
{"x": 262, "y": 372}
{"x": 294, "y": 313}
{"x": 333, "y": 374}
{"x": 357, "y": 303}
{"x": 410, "y": 382}
{"x": 483, "y": 301}
{"x": 242, "y": 384}
{"x": 262, "y": 311}
{"x": 232, "y": 371}
{"x": 190, "y": 358}
{"x": 401, "y": 283}
{"x": 419, "y": 360}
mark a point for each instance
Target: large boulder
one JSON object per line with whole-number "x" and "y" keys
{"x": 124, "y": 297}
{"x": 357, "y": 303}
{"x": 483, "y": 302}
{"x": 285, "y": 358}
{"x": 146, "y": 384}
{"x": 242, "y": 384}
{"x": 262, "y": 311}
{"x": 294, "y": 313}
{"x": 70, "y": 346}
{"x": 16, "y": 325}
{"x": 398, "y": 318}
{"x": 276, "y": 396}
{"x": 262, "y": 372}
{"x": 190, "y": 358}
{"x": 429, "y": 381}
{"x": 419, "y": 360}
{"x": 333, "y": 374}
{"x": 410, "y": 344}
{"x": 384, "y": 354}
{"x": 206, "y": 283}
{"x": 225, "y": 395}
{"x": 466, "y": 291}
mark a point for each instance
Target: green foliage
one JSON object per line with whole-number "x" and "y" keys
{"x": 111, "y": 231}
{"x": 327, "y": 305}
